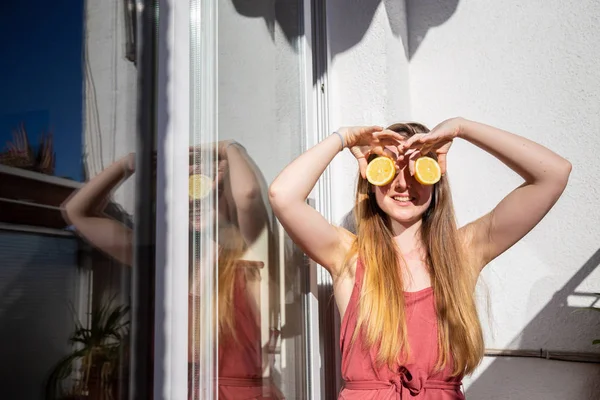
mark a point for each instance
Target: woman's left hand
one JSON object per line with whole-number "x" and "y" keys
{"x": 197, "y": 152}
{"x": 438, "y": 140}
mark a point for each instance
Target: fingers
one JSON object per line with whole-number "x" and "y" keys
{"x": 389, "y": 136}
{"x": 221, "y": 170}
{"x": 412, "y": 158}
{"x": 426, "y": 149}
{"x": 380, "y": 150}
{"x": 371, "y": 129}
{"x": 442, "y": 162}
{"x": 362, "y": 165}
{"x": 415, "y": 141}
{"x": 387, "y": 152}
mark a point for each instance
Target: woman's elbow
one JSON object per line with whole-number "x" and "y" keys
{"x": 276, "y": 196}
{"x": 560, "y": 177}
{"x": 70, "y": 212}
{"x": 66, "y": 212}
{"x": 564, "y": 172}
{"x": 273, "y": 194}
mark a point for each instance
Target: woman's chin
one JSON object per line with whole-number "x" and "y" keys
{"x": 407, "y": 216}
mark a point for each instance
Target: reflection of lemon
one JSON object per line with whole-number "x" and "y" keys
{"x": 381, "y": 171}
{"x": 200, "y": 186}
{"x": 427, "y": 171}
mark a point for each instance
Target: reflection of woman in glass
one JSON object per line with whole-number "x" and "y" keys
{"x": 404, "y": 284}
{"x": 243, "y": 233}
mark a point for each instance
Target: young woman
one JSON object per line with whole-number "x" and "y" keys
{"x": 244, "y": 235}
{"x": 404, "y": 283}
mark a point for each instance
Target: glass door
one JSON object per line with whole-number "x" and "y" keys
{"x": 247, "y": 281}
{"x": 232, "y": 288}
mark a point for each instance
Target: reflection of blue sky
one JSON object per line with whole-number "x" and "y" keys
{"x": 41, "y": 81}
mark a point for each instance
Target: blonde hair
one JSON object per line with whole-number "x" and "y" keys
{"x": 381, "y": 312}
{"x": 232, "y": 247}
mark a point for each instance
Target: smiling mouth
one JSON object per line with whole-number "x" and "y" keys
{"x": 403, "y": 199}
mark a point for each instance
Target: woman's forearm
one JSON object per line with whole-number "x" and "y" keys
{"x": 92, "y": 196}
{"x": 532, "y": 161}
{"x": 243, "y": 176}
{"x": 296, "y": 181}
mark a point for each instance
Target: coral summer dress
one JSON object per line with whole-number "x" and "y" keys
{"x": 416, "y": 380}
{"x": 240, "y": 373}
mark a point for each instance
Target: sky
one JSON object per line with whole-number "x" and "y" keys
{"x": 41, "y": 76}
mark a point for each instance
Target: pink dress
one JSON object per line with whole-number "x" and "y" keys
{"x": 240, "y": 363}
{"x": 416, "y": 379}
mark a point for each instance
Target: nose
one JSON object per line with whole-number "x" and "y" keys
{"x": 402, "y": 179}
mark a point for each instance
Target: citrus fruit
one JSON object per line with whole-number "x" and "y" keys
{"x": 427, "y": 171}
{"x": 381, "y": 171}
{"x": 200, "y": 186}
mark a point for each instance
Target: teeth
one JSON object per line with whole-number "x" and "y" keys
{"x": 398, "y": 198}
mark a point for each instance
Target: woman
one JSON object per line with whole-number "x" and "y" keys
{"x": 242, "y": 251}
{"x": 404, "y": 283}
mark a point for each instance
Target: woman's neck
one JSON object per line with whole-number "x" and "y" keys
{"x": 407, "y": 235}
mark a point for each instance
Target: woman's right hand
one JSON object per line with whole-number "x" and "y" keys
{"x": 366, "y": 140}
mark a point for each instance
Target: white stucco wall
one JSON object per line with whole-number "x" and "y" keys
{"x": 368, "y": 79}
{"x": 528, "y": 67}
{"x": 110, "y": 90}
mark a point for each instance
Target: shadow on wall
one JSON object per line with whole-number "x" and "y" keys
{"x": 284, "y": 13}
{"x": 509, "y": 378}
{"x": 421, "y": 16}
{"x": 408, "y": 19}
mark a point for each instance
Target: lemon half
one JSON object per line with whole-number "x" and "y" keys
{"x": 427, "y": 171}
{"x": 381, "y": 171}
{"x": 200, "y": 186}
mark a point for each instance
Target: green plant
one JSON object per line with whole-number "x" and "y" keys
{"x": 102, "y": 349}
{"x": 20, "y": 153}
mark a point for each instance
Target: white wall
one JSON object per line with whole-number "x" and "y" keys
{"x": 531, "y": 68}
{"x": 110, "y": 90}
{"x": 368, "y": 78}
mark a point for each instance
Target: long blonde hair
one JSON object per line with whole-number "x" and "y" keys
{"x": 381, "y": 312}
{"x": 232, "y": 247}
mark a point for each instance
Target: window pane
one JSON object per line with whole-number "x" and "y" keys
{"x": 257, "y": 299}
{"x": 67, "y": 198}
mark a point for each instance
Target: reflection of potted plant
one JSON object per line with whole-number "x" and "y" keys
{"x": 92, "y": 370}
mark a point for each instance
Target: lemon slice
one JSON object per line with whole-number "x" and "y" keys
{"x": 200, "y": 186}
{"x": 427, "y": 171}
{"x": 381, "y": 171}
